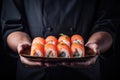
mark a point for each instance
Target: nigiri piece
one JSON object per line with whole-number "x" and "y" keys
{"x": 50, "y": 51}
{"x": 39, "y": 40}
{"x": 64, "y": 39}
{"x": 37, "y": 50}
{"x": 76, "y": 38}
{"x": 51, "y": 39}
{"x": 63, "y": 50}
{"x": 77, "y": 50}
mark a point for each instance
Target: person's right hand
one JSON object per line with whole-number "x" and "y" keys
{"x": 24, "y": 48}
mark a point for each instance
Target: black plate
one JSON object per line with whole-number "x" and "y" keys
{"x": 44, "y": 59}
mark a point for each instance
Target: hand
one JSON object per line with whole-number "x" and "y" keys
{"x": 24, "y": 48}
{"x": 85, "y": 64}
{"x": 28, "y": 62}
{"x": 91, "y": 49}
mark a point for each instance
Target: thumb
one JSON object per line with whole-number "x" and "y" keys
{"x": 92, "y": 48}
{"x": 22, "y": 46}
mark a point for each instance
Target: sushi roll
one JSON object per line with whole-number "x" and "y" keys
{"x": 37, "y": 50}
{"x": 76, "y": 38}
{"x": 50, "y": 51}
{"x": 38, "y": 40}
{"x": 51, "y": 40}
{"x": 63, "y": 50}
{"x": 77, "y": 50}
{"x": 64, "y": 39}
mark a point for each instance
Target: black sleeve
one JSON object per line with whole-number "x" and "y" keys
{"x": 10, "y": 19}
{"x": 105, "y": 20}
{"x": 10, "y": 22}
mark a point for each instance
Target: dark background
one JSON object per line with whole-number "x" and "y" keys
{"x": 110, "y": 68}
{"x": 7, "y": 64}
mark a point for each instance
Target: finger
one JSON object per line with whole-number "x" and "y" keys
{"x": 80, "y": 64}
{"x": 85, "y": 63}
{"x": 92, "y": 48}
{"x": 20, "y": 49}
{"x": 66, "y": 63}
{"x": 23, "y": 47}
{"x": 48, "y": 64}
{"x": 30, "y": 63}
{"x": 63, "y": 64}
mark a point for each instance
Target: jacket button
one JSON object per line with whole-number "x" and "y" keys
{"x": 49, "y": 29}
{"x": 72, "y": 30}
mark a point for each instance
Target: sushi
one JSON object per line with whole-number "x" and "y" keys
{"x": 63, "y": 50}
{"x": 39, "y": 40}
{"x": 63, "y": 47}
{"x": 50, "y": 51}
{"x": 77, "y": 50}
{"x": 64, "y": 39}
{"x": 76, "y": 38}
{"x": 51, "y": 40}
{"x": 37, "y": 50}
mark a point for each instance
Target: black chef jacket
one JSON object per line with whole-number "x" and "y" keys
{"x": 52, "y": 17}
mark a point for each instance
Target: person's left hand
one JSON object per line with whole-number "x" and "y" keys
{"x": 91, "y": 49}
{"x": 24, "y": 48}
